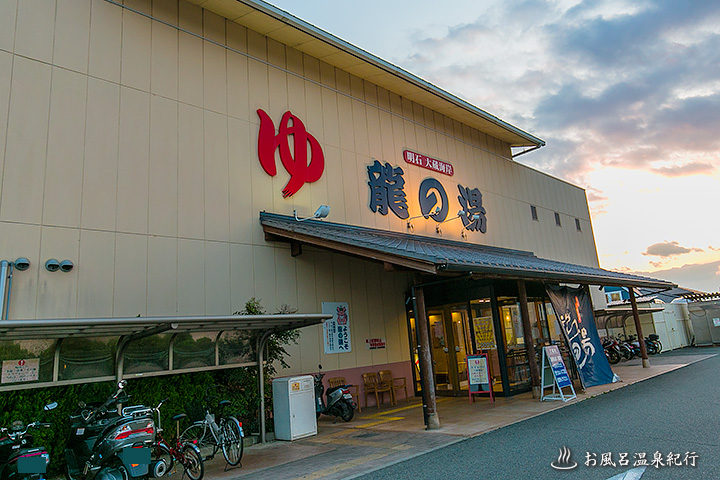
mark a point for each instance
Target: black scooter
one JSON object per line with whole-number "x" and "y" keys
{"x": 19, "y": 458}
{"x": 110, "y": 444}
{"x": 339, "y": 400}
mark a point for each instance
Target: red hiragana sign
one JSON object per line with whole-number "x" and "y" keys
{"x": 301, "y": 169}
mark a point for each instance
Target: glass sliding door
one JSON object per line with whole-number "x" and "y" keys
{"x": 516, "y": 359}
{"x": 485, "y": 339}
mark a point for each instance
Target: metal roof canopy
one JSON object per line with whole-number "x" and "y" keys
{"x": 130, "y": 326}
{"x": 129, "y": 329}
{"x": 438, "y": 256}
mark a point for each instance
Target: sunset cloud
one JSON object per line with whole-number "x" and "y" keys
{"x": 668, "y": 249}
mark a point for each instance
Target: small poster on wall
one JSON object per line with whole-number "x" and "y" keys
{"x": 24, "y": 370}
{"x": 336, "y": 330}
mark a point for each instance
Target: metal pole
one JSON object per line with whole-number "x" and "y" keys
{"x": 638, "y": 329}
{"x": 529, "y": 343}
{"x": 261, "y": 377}
{"x": 4, "y": 267}
{"x": 432, "y": 422}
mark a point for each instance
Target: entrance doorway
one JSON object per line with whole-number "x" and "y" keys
{"x": 450, "y": 342}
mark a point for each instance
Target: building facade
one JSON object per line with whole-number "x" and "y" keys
{"x": 133, "y": 146}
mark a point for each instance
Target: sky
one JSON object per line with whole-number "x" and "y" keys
{"x": 625, "y": 93}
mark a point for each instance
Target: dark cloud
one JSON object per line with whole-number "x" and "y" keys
{"x": 669, "y": 249}
{"x": 699, "y": 276}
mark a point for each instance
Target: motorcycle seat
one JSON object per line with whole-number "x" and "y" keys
{"x": 179, "y": 417}
{"x": 222, "y": 403}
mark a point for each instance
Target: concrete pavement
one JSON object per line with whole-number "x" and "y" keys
{"x": 379, "y": 438}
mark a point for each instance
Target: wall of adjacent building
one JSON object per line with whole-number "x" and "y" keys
{"x": 129, "y": 147}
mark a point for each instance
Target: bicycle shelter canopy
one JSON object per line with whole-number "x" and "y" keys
{"x": 131, "y": 329}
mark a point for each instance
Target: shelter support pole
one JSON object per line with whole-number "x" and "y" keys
{"x": 638, "y": 329}
{"x": 432, "y": 422}
{"x": 529, "y": 343}
{"x": 261, "y": 378}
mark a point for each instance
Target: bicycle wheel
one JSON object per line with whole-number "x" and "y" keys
{"x": 199, "y": 435}
{"x": 232, "y": 446}
{"x": 192, "y": 462}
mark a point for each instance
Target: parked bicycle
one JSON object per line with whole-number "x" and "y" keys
{"x": 225, "y": 433}
{"x": 165, "y": 453}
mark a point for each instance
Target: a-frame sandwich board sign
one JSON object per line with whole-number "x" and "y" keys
{"x": 555, "y": 376}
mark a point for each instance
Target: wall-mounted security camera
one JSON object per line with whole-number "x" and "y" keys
{"x": 66, "y": 266}
{"x": 52, "y": 265}
{"x": 22, "y": 264}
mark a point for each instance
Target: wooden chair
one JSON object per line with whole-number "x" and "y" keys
{"x": 339, "y": 381}
{"x": 395, "y": 383}
{"x": 372, "y": 384}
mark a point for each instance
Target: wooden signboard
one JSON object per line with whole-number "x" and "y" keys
{"x": 479, "y": 380}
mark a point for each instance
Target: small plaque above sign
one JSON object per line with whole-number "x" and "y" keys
{"x": 375, "y": 343}
{"x": 424, "y": 161}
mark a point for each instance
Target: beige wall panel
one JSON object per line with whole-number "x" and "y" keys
{"x": 391, "y": 298}
{"x": 307, "y": 302}
{"x": 285, "y": 280}
{"x": 241, "y": 276}
{"x": 277, "y": 88}
{"x": 34, "y": 29}
{"x": 66, "y": 137}
{"x": 360, "y": 128}
{"x": 324, "y": 283}
{"x": 191, "y": 196}
{"x": 314, "y": 116}
{"x": 95, "y": 271}
{"x": 217, "y": 278}
{"x": 236, "y": 36}
{"x": 162, "y": 274}
{"x": 190, "y": 17}
{"x": 164, "y": 60}
{"x": 101, "y": 155}
{"x": 264, "y": 275}
{"x": 5, "y": 82}
{"x": 133, "y": 161}
{"x": 19, "y": 240}
{"x": 256, "y": 45}
{"x": 359, "y": 310}
{"x": 237, "y": 90}
{"x": 136, "y": 48}
{"x": 296, "y": 96}
{"x": 240, "y": 163}
{"x": 190, "y": 68}
{"x": 351, "y": 177}
{"x": 214, "y": 26}
{"x": 214, "y": 75}
{"x": 143, "y": 6}
{"x": 395, "y": 103}
{"x": 57, "y": 291}
{"x": 311, "y": 67}
{"x": 335, "y": 194}
{"x": 166, "y": 10}
{"x": 8, "y": 17}
{"x": 105, "y": 40}
{"x": 262, "y": 187}
{"x": 327, "y": 74}
{"x": 331, "y": 134}
{"x": 343, "y": 292}
{"x": 25, "y": 148}
{"x": 258, "y": 92}
{"x": 373, "y": 277}
{"x": 72, "y": 34}
{"x": 217, "y": 225}
{"x": 294, "y": 61}
{"x": 131, "y": 266}
{"x": 163, "y": 214}
{"x": 191, "y": 277}
{"x": 346, "y": 125}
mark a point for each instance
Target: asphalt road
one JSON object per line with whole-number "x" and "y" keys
{"x": 678, "y": 412}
